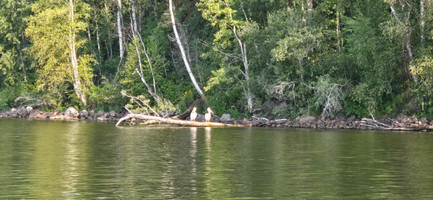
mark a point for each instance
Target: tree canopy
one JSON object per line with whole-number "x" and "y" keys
{"x": 251, "y": 57}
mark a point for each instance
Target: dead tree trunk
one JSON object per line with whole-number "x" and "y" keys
{"x": 246, "y": 73}
{"x": 176, "y": 121}
{"x": 182, "y": 51}
{"x": 139, "y": 71}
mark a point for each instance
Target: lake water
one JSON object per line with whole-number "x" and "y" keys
{"x": 90, "y": 160}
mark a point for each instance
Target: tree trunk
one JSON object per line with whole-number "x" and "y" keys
{"x": 406, "y": 40}
{"x": 74, "y": 62}
{"x": 247, "y": 78}
{"x": 421, "y": 4}
{"x": 176, "y": 121}
{"x": 182, "y": 51}
{"x": 134, "y": 18}
{"x": 137, "y": 37}
{"x": 338, "y": 30}
{"x": 140, "y": 73}
{"x": 22, "y": 65}
{"x": 301, "y": 69}
{"x": 119, "y": 27}
{"x": 243, "y": 48}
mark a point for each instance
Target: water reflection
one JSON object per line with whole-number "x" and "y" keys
{"x": 63, "y": 160}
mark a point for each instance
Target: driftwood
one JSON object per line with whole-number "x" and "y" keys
{"x": 376, "y": 125}
{"x": 177, "y": 122}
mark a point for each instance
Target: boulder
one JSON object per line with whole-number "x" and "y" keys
{"x": 33, "y": 114}
{"x": 84, "y": 114}
{"x": 351, "y": 118}
{"x": 100, "y": 113}
{"x": 225, "y": 118}
{"x": 401, "y": 117}
{"x": 29, "y": 109}
{"x": 341, "y": 116}
{"x": 71, "y": 112}
{"x": 112, "y": 114}
{"x": 306, "y": 119}
{"x": 22, "y": 112}
{"x": 423, "y": 121}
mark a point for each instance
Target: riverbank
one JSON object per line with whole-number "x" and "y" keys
{"x": 400, "y": 123}
{"x": 70, "y": 114}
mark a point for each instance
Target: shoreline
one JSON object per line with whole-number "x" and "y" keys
{"x": 401, "y": 123}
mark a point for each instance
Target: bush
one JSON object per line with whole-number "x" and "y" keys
{"x": 107, "y": 97}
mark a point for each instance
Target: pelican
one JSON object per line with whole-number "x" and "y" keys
{"x": 193, "y": 115}
{"x": 208, "y": 115}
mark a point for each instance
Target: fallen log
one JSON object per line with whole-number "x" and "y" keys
{"x": 177, "y": 122}
{"x": 376, "y": 125}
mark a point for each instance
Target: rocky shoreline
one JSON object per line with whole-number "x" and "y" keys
{"x": 70, "y": 114}
{"x": 400, "y": 123}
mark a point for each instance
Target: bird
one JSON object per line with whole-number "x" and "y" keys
{"x": 193, "y": 115}
{"x": 208, "y": 115}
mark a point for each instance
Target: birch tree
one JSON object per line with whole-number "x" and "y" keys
{"x": 120, "y": 27}
{"x": 140, "y": 47}
{"x": 182, "y": 51}
{"x": 56, "y": 46}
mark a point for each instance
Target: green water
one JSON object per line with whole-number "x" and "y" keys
{"x": 89, "y": 160}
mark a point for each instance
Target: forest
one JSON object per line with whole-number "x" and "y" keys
{"x": 271, "y": 58}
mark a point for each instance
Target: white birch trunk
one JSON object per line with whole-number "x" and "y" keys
{"x": 182, "y": 51}
{"x": 246, "y": 72}
{"x": 134, "y": 18}
{"x": 74, "y": 62}
{"x": 137, "y": 37}
{"x": 421, "y": 4}
{"x": 119, "y": 27}
{"x": 407, "y": 46}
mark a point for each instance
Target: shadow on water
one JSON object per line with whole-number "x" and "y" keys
{"x": 88, "y": 160}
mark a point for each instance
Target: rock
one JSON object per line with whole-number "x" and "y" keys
{"x": 22, "y": 112}
{"x": 100, "y": 113}
{"x": 102, "y": 118}
{"x": 29, "y": 109}
{"x": 225, "y": 118}
{"x": 41, "y": 115}
{"x": 341, "y": 116}
{"x": 13, "y": 110}
{"x": 306, "y": 119}
{"x": 84, "y": 114}
{"x": 245, "y": 121}
{"x": 112, "y": 115}
{"x": 351, "y": 118}
{"x": 33, "y": 114}
{"x": 71, "y": 112}
{"x": 401, "y": 117}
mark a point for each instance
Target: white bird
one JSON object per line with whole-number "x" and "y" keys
{"x": 208, "y": 115}
{"x": 193, "y": 115}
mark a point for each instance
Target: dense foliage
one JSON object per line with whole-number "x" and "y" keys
{"x": 280, "y": 58}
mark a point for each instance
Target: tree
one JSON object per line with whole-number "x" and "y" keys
{"x": 182, "y": 50}
{"x": 13, "y": 21}
{"x": 297, "y": 44}
{"x": 58, "y": 45}
{"x": 220, "y": 14}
